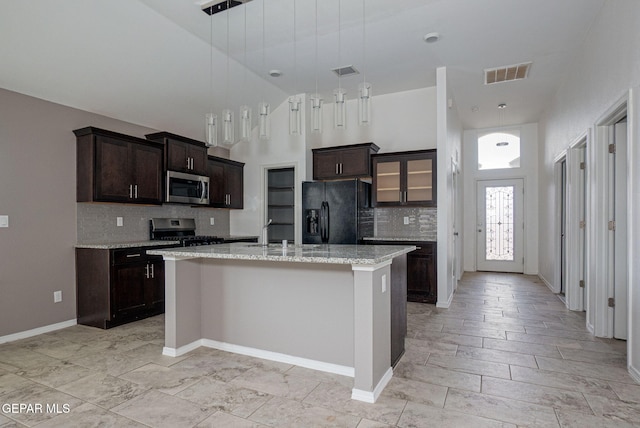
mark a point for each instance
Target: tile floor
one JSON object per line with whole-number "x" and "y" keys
{"x": 507, "y": 353}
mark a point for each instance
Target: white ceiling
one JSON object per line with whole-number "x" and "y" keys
{"x": 148, "y": 61}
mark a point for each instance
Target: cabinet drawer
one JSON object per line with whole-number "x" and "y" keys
{"x": 128, "y": 255}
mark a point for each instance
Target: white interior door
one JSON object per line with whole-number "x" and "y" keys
{"x": 500, "y": 226}
{"x": 618, "y": 266}
{"x": 582, "y": 238}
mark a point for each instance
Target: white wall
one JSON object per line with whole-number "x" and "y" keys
{"x": 528, "y": 171}
{"x": 400, "y": 121}
{"x": 449, "y": 130}
{"x": 609, "y": 65}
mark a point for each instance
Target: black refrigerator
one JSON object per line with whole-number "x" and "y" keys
{"x": 336, "y": 212}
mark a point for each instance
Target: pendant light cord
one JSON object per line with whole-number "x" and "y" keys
{"x": 364, "y": 38}
{"x": 316, "y": 25}
{"x": 339, "y": 44}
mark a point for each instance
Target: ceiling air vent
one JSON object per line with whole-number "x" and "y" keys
{"x": 506, "y": 73}
{"x": 214, "y": 6}
{"x": 345, "y": 71}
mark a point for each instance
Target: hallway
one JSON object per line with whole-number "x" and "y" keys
{"x": 508, "y": 349}
{"x": 506, "y": 353}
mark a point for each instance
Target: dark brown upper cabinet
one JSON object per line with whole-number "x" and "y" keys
{"x": 404, "y": 178}
{"x": 113, "y": 167}
{"x": 343, "y": 162}
{"x": 181, "y": 153}
{"x": 226, "y": 183}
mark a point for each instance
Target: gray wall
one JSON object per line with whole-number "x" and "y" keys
{"x": 38, "y": 193}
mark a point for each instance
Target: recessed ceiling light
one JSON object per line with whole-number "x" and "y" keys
{"x": 502, "y": 105}
{"x": 431, "y": 37}
{"x": 275, "y": 73}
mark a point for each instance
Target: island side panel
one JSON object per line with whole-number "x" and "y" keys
{"x": 372, "y": 294}
{"x": 298, "y": 309}
{"x": 182, "y": 305}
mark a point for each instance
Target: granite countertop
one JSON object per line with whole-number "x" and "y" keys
{"x": 132, "y": 244}
{"x": 308, "y": 253}
{"x": 397, "y": 238}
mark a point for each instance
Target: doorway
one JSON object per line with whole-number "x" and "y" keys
{"x": 617, "y": 206}
{"x": 500, "y": 226}
{"x": 281, "y": 204}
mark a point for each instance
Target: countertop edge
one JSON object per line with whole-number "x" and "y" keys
{"x": 283, "y": 257}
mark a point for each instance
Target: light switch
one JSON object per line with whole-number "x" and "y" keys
{"x": 4, "y": 221}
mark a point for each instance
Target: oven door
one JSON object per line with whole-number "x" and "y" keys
{"x": 187, "y": 188}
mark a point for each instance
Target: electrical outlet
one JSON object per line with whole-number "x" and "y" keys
{"x": 212, "y": 221}
{"x": 406, "y": 220}
{"x": 4, "y": 221}
{"x": 119, "y": 221}
{"x": 384, "y": 283}
{"x": 57, "y": 296}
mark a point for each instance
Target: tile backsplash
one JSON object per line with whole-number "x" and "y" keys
{"x": 422, "y": 223}
{"x": 97, "y": 222}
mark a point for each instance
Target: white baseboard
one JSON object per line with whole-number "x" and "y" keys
{"x": 281, "y": 358}
{"x": 547, "y": 283}
{"x": 372, "y": 396}
{"x": 259, "y": 353}
{"x": 176, "y": 352}
{"x": 634, "y": 373}
{"x": 446, "y": 304}
{"x": 37, "y": 331}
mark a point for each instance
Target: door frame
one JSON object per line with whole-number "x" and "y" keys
{"x": 577, "y": 202}
{"x": 522, "y": 220}
{"x": 297, "y": 194}
{"x": 557, "y": 238}
{"x": 598, "y": 311}
{"x": 576, "y": 196}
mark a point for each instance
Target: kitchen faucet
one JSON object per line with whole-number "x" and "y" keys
{"x": 265, "y": 240}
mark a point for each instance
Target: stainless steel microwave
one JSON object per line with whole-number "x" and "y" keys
{"x": 187, "y": 188}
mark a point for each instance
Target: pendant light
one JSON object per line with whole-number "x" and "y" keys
{"x": 264, "y": 109}
{"x": 316, "y": 100}
{"x": 364, "y": 89}
{"x": 245, "y": 110}
{"x": 211, "y": 119}
{"x": 227, "y": 114}
{"x": 340, "y": 98}
{"x": 295, "y": 103}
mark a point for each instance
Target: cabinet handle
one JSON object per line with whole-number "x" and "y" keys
{"x": 337, "y": 169}
{"x": 146, "y": 271}
{"x": 153, "y": 275}
{"x": 191, "y": 163}
{"x": 135, "y": 191}
{"x": 133, "y": 255}
{"x": 130, "y": 191}
{"x": 188, "y": 162}
{"x": 341, "y": 164}
{"x": 418, "y": 248}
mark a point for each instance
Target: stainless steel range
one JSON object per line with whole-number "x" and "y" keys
{"x": 180, "y": 229}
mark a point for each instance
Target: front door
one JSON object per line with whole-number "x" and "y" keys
{"x": 500, "y": 226}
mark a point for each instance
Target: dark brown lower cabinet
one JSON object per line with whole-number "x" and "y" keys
{"x": 398, "y": 307}
{"x": 422, "y": 277}
{"x": 422, "y": 280}
{"x": 117, "y": 286}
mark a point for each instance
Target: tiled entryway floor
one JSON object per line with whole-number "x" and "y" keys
{"x": 507, "y": 353}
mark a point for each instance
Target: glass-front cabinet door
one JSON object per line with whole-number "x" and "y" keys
{"x": 419, "y": 180}
{"x": 405, "y": 178}
{"x": 388, "y": 182}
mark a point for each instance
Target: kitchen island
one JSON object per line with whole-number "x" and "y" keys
{"x": 325, "y": 307}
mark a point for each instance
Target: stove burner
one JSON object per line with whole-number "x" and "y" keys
{"x": 181, "y": 230}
